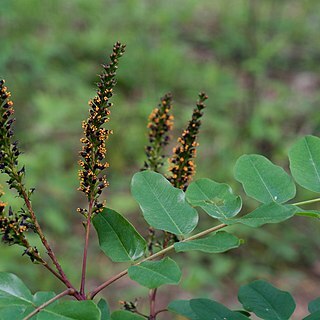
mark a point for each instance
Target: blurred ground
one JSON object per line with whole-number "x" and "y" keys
{"x": 259, "y": 64}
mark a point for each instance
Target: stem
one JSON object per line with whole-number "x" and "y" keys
{"x": 306, "y": 202}
{"x": 50, "y": 253}
{"x": 94, "y": 292}
{"x": 159, "y": 311}
{"x": 69, "y": 291}
{"x": 85, "y": 250}
{"x": 152, "y": 298}
{"x": 56, "y": 274}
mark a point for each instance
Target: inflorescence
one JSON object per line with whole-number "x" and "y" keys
{"x": 9, "y": 151}
{"x": 93, "y": 151}
{"x": 160, "y": 123}
{"x": 182, "y": 162}
{"x": 12, "y": 225}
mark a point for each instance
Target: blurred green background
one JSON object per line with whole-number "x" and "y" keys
{"x": 259, "y": 63}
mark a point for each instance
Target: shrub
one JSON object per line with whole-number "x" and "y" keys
{"x": 167, "y": 198}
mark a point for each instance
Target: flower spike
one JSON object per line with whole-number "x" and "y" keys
{"x": 93, "y": 152}
{"x": 182, "y": 165}
{"x": 160, "y": 123}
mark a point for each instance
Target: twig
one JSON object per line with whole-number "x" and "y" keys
{"x": 94, "y": 292}
{"x": 159, "y": 311}
{"x": 306, "y": 202}
{"x": 69, "y": 291}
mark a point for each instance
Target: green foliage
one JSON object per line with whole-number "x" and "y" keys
{"x": 125, "y": 315}
{"x": 201, "y": 309}
{"x": 314, "y": 305}
{"x": 266, "y": 301}
{"x": 264, "y": 181}
{"x": 182, "y": 307}
{"x": 314, "y": 309}
{"x": 153, "y": 274}
{"x": 217, "y": 199}
{"x": 118, "y": 239}
{"x": 104, "y": 309}
{"x": 163, "y": 206}
{"x": 16, "y": 302}
{"x": 304, "y": 158}
{"x": 49, "y": 58}
{"x": 259, "y": 297}
{"x": 266, "y": 213}
{"x": 71, "y": 310}
{"x": 214, "y": 243}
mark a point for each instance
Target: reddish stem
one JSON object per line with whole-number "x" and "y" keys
{"x": 85, "y": 250}
{"x": 94, "y": 292}
{"x": 159, "y": 311}
{"x": 152, "y": 299}
{"x": 69, "y": 291}
{"x": 61, "y": 276}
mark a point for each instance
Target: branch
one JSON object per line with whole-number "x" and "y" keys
{"x": 94, "y": 292}
{"x": 69, "y": 291}
{"x": 44, "y": 241}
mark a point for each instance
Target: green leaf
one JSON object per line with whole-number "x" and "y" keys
{"x": 266, "y": 301}
{"x": 304, "y": 158}
{"x": 314, "y": 305}
{"x": 125, "y": 315}
{"x": 12, "y": 288}
{"x": 71, "y": 310}
{"x": 15, "y": 297}
{"x": 182, "y": 307}
{"x": 118, "y": 239}
{"x": 206, "y": 309}
{"x": 214, "y": 243}
{"x": 16, "y": 302}
{"x": 217, "y": 199}
{"x": 308, "y": 213}
{"x": 12, "y": 312}
{"x": 266, "y": 213}
{"x": 313, "y": 316}
{"x": 41, "y": 297}
{"x": 163, "y": 206}
{"x": 264, "y": 181}
{"x": 153, "y": 274}
{"x": 104, "y": 309}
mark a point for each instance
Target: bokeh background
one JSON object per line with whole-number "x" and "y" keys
{"x": 259, "y": 63}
